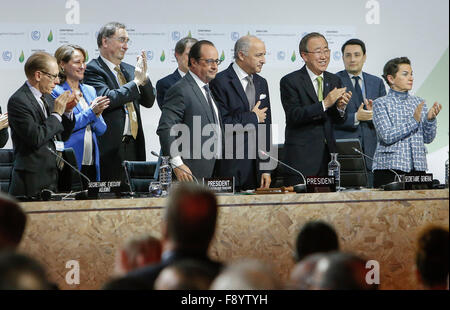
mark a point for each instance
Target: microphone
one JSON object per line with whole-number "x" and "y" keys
{"x": 124, "y": 163}
{"x": 47, "y": 194}
{"x": 173, "y": 166}
{"x": 393, "y": 186}
{"x": 299, "y": 188}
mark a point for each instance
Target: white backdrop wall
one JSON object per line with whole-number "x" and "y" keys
{"x": 413, "y": 28}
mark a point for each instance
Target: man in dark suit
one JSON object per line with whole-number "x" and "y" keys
{"x": 127, "y": 88}
{"x": 182, "y": 49}
{"x": 313, "y": 99}
{"x": 189, "y": 128}
{"x": 38, "y": 122}
{"x": 243, "y": 99}
{"x": 365, "y": 88}
{"x": 188, "y": 228}
{"x": 4, "y": 136}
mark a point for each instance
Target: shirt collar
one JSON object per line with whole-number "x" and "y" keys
{"x": 197, "y": 80}
{"x": 239, "y": 72}
{"x": 110, "y": 65}
{"x": 312, "y": 75}
{"x": 36, "y": 93}
{"x": 181, "y": 73}
{"x": 352, "y": 75}
{"x": 399, "y": 94}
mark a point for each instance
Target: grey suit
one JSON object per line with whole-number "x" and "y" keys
{"x": 183, "y": 102}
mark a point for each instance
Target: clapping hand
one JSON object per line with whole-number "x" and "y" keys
{"x": 140, "y": 71}
{"x": 434, "y": 111}
{"x": 99, "y": 104}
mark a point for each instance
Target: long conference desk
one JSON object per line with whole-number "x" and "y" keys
{"x": 381, "y": 226}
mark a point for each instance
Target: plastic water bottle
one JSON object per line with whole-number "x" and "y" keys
{"x": 165, "y": 175}
{"x": 334, "y": 170}
{"x": 446, "y": 172}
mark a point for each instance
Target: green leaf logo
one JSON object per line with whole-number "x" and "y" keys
{"x": 163, "y": 56}
{"x": 248, "y": 33}
{"x": 189, "y": 34}
{"x": 50, "y": 36}
{"x": 87, "y": 56}
{"x": 222, "y": 56}
{"x": 293, "y": 57}
{"x": 22, "y": 57}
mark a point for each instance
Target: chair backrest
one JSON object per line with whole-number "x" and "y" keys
{"x": 6, "y": 166}
{"x": 278, "y": 173}
{"x": 140, "y": 174}
{"x": 353, "y": 165}
{"x": 68, "y": 179}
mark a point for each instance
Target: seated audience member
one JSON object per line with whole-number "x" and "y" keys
{"x": 403, "y": 124}
{"x": 303, "y": 275}
{"x": 432, "y": 258}
{"x": 188, "y": 227}
{"x": 12, "y": 223}
{"x": 136, "y": 253}
{"x": 186, "y": 274}
{"x": 248, "y": 274}
{"x": 316, "y": 237}
{"x": 89, "y": 123}
{"x": 341, "y": 271}
{"x": 3, "y": 128}
{"x": 20, "y": 272}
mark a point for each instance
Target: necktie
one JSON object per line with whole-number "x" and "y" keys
{"x": 132, "y": 116}
{"x": 250, "y": 92}
{"x": 59, "y": 162}
{"x": 358, "y": 91}
{"x": 319, "y": 88}
{"x": 210, "y": 102}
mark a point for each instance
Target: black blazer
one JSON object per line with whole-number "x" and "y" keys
{"x": 105, "y": 83}
{"x": 4, "y": 136}
{"x": 234, "y": 108}
{"x": 308, "y": 128}
{"x": 163, "y": 85}
{"x": 31, "y": 134}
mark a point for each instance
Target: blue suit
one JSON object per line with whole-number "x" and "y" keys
{"x": 82, "y": 119}
{"x": 364, "y": 131}
{"x": 163, "y": 85}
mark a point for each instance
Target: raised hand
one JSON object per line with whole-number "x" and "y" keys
{"x": 418, "y": 111}
{"x": 61, "y": 103}
{"x": 99, "y": 104}
{"x": 434, "y": 111}
{"x": 364, "y": 115}
{"x": 333, "y": 96}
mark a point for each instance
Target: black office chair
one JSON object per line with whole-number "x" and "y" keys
{"x": 140, "y": 174}
{"x": 68, "y": 179}
{"x": 6, "y": 166}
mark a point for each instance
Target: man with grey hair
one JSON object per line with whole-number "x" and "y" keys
{"x": 243, "y": 99}
{"x": 182, "y": 49}
{"x": 127, "y": 88}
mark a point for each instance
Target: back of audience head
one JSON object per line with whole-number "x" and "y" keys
{"x": 247, "y": 274}
{"x": 12, "y": 223}
{"x": 432, "y": 257}
{"x": 188, "y": 274}
{"x": 342, "y": 271}
{"x": 316, "y": 237}
{"x": 20, "y": 272}
{"x": 190, "y": 217}
{"x": 303, "y": 275}
{"x": 136, "y": 253}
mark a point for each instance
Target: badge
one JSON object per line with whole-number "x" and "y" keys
{"x": 59, "y": 145}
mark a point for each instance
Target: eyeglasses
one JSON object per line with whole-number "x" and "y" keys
{"x": 325, "y": 52}
{"x": 211, "y": 61}
{"x": 51, "y": 76}
{"x": 122, "y": 40}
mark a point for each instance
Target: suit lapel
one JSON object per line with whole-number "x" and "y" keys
{"x": 307, "y": 83}
{"x": 110, "y": 74}
{"x": 236, "y": 84}
{"x": 34, "y": 102}
{"x": 201, "y": 98}
{"x": 368, "y": 87}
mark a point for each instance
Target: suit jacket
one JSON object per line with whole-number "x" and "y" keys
{"x": 84, "y": 118}
{"x": 163, "y": 85}
{"x": 234, "y": 108}
{"x": 185, "y": 104}
{"x": 99, "y": 76}
{"x": 309, "y": 129}
{"x": 148, "y": 274}
{"x": 364, "y": 131}
{"x": 31, "y": 133}
{"x": 3, "y": 134}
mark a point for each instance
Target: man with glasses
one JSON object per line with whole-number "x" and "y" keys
{"x": 243, "y": 99}
{"x": 313, "y": 99}
{"x": 190, "y": 112}
{"x": 127, "y": 88}
{"x": 38, "y": 122}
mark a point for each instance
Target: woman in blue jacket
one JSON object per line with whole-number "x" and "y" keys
{"x": 89, "y": 123}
